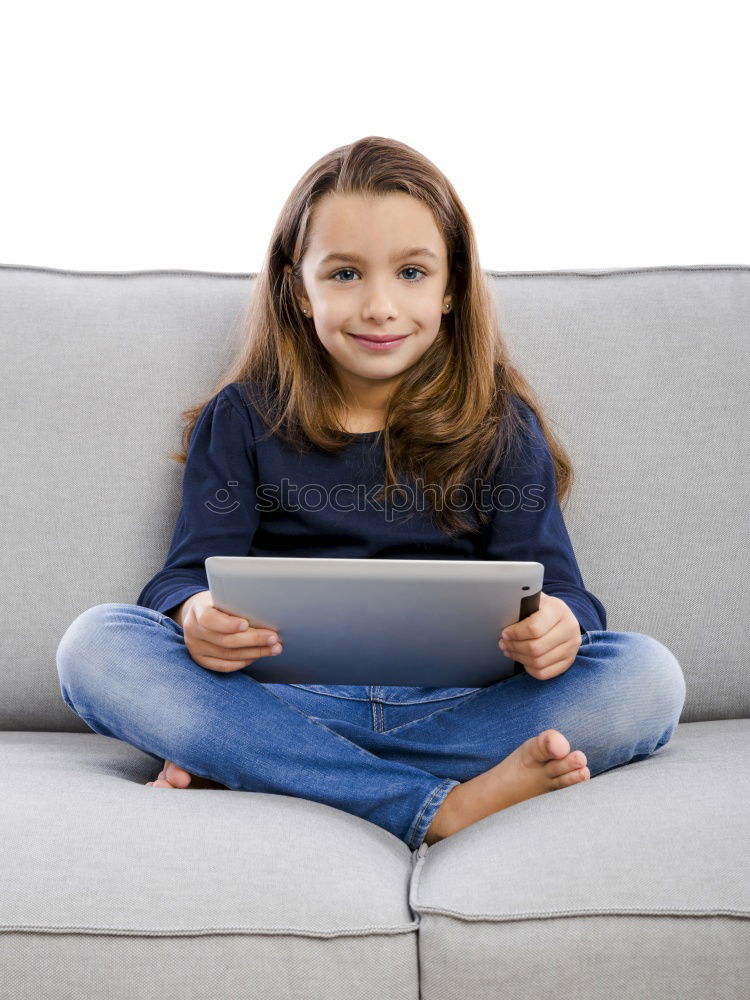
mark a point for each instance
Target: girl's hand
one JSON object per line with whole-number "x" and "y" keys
{"x": 547, "y": 642}
{"x": 217, "y": 641}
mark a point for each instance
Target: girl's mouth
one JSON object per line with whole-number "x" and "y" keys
{"x": 374, "y": 344}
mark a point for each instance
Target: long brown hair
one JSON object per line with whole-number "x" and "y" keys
{"x": 450, "y": 418}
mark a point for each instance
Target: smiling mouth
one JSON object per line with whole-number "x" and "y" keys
{"x": 378, "y": 340}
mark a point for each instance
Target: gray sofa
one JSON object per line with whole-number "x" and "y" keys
{"x": 633, "y": 884}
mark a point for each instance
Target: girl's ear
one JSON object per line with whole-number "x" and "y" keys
{"x": 301, "y": 302}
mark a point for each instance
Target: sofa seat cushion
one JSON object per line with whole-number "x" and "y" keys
{"x": 634, "y": 883}
{"x": 97, "y": 866}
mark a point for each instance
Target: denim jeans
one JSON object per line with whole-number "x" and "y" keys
{"x": 126, "y": 671}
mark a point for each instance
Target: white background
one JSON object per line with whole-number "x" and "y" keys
{"x": 148, "y": 135}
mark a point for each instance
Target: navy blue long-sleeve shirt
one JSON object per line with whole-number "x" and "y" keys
{"x": 246, "y": 492}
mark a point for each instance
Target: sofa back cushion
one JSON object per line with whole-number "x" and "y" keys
{"x": 643, "y": 372}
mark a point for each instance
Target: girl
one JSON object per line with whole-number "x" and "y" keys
{"x": 372, "y": 352}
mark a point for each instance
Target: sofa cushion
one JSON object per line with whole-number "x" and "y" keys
{"x": 641, "y": 370}
{"x": 107, "y": 881}
{"x": 633, "y": 884}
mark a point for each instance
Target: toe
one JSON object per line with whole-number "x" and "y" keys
{"x": 162, "y": 783}
{"x": 551, "y": 745}
{"x": 571, "y": 762}
{"x": 177, "y": 775}
{"x": 575, "y": 777}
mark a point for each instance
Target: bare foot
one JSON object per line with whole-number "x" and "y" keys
{"x": 543, "y": 763}
{"x": 174, "y": 776}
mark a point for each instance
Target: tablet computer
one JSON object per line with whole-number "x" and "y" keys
{"x": 395, "y": 622}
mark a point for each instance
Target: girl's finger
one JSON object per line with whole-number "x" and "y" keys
{"x": 224, "y": 666}
{"x": 540, "y": 664}
{"x": 553, "y": 670}
{"x": 240, "y": 653}
{"x": 545, "y": 650}
{"x": 564, "y": 653}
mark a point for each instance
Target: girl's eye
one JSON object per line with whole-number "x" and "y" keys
{"x": 349, "y": 270}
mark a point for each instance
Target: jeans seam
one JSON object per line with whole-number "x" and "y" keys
{"x": 329, "y": 694}
{"x": 377, "y": 716}
{"x": 448, "y": 708}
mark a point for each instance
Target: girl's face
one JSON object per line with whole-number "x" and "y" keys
{"x": 363, "y": 274}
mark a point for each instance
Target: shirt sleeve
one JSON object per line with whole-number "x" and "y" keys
{"x": 218, "y": 514}
{"x": 529, "y": 526}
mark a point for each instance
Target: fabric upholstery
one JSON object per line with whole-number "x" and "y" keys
{"x": 635, "y": 884}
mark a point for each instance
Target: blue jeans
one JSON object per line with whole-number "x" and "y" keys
{"x": 126, "y": 671}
